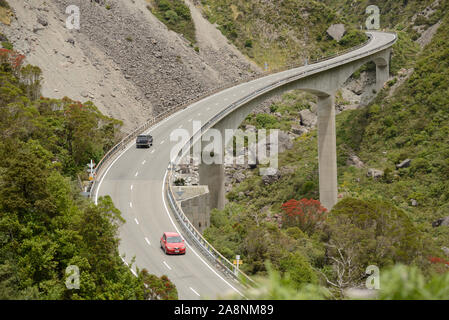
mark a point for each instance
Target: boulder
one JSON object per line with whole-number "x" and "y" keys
{"x": 336, "y": 31}
{"x": 298, "y": 129}
{"x": 404, "y": 164}
{"x": 239, "y": 177}
{"x": 414, "y": 203}
{"x": 42, "y": 21}
{"x": 375, "y": 173}
{"x": 271, "y": 175}
{"x": 308, "y": 118}
{"x": 441, "y": 222}
{"x": 355, "y": 161}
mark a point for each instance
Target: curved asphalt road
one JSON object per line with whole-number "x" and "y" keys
{"x": 135, "y": 182}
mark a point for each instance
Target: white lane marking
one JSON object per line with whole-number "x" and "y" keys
{"x": 180, "y": 126}
{"x": 190, "y": 120}
{"x": 153, "y": 151}
{"x": 137, "y": 173}
{"x": 144, "y": 161}
{"x": 190, "y": 247}
{"x": 199, "y": 114}
{"x": 130, "y": 204}
{"x": 162, "y": 142}
{"x": 208, "y": 108}
{"x": 216, "y": 104}
{"x": 132, "y": 186}
{"x": 148, "y": 241}
{"x": 195, "y": 291}
{"x": 135, "y": 219}
{"x": 167, "y": 265}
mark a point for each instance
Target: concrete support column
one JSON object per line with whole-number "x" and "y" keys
{"x": 327, "y": 151}
{"x": 213, "y": 175}
{"x": 382, "y": 74}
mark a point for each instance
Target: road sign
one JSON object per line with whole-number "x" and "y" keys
{"x": 239, "y": 262}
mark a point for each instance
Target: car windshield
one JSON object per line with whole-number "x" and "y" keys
{"x": 142, "y": 138}
{"x": 174, "y": 239}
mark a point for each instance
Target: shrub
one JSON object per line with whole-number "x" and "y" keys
{"x": 305, "y": 214}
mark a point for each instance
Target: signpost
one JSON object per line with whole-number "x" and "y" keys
{"x": 237, "y": 262}
{"x": 91, "y": 170}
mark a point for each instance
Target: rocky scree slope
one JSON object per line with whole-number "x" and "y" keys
{"x": 122, "y": 58}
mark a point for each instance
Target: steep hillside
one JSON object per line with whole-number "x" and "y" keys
{"x": 280, "y": 32}
{"x": 123, "y": 58}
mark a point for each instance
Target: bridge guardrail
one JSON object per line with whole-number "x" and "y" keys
{"x": 208, "y": 250}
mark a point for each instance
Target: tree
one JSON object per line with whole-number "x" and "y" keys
{"x": 158, "y": 288}
{"x": 305, "y": 214}
{"x": 370, "y": 232}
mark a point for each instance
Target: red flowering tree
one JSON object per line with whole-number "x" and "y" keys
{"x": 441, "y": 264}
{"x": 11, "y": 59}
{"x": 305, "y": 214}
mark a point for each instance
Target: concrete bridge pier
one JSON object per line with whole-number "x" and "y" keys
{"x": 327, "y": 151}
{"x": 213, "y": 176}
{"x": 382, "y": 73}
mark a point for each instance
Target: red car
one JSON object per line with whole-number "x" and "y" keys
{"x": 172, "y": 243}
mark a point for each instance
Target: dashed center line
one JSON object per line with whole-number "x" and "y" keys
{"x": 190, "y": 120}
{"x": 199, "y": 114}
{"x": 144, "y": 161}
{"x": 137, "y": 173}
{"x": 195, "y": 292}
{"x": 135, "y": 219}
{"x": 180, "y": 126}
{"x": 162, "y": 141}
{"x": 148, "y": 241}
{"x": 130, "y": 204}
{"x": 132, "y": 186}
{"x": 153, "y": 151}
{"x": 167, "y": 265}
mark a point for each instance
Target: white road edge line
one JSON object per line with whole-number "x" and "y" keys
{"x": 195, "y": 291}
{"x": 167, "y": 265}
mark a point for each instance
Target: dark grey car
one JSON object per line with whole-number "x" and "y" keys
{"x": 144, "y": 141}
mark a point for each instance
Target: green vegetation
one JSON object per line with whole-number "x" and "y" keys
{"x": 175, "y": 14}
{"x": 4, "y": 4}
{"x": 397, "y": 283}
{"x": 45, "y": 225}
{"x": 280, "y": 33}
{"x": 375, "y": 222}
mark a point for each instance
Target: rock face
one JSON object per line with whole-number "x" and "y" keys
{"x": 336, "y": 31}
